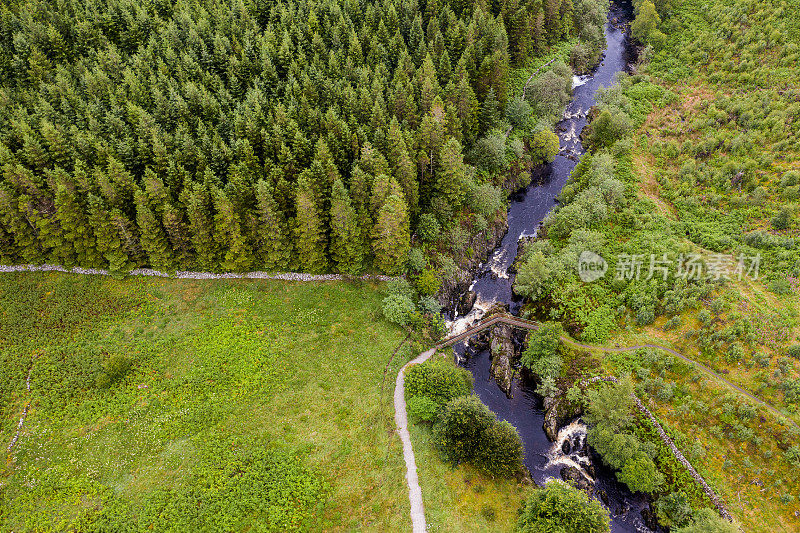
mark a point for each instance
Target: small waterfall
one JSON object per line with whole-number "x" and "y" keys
{"x": 570, "y": 449}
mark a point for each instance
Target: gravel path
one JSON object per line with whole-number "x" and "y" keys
{"x": 401, "y": 419}
{"x": 185, "y": 274}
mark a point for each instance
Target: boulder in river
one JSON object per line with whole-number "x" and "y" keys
{"x": 502, "y": 354}
{"x": 466, "y": 302}
{"x": 572, "y": 475}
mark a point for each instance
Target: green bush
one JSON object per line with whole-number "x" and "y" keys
{"x": 428, "y": 282}
{"x": 467, "y": 432}
{"x": 673, "y": 510}
{"x": 437, "y": 380}
{"x": 460, "y": 429}
{"x": 398, "y": 309}
{"x": 706, "y": 520}
{"x": 501, "y": 452}
{"x": 428, "y": 227}
{"x": 793, "y": 351}
{"x": 543, "y": 355}
{"x": 561, "y": 508}
{"x": 422, "y": 409}
{"x": 114, "y": 370}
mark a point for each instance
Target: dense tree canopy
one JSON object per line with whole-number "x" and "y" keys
{"x": 213, "y": 134}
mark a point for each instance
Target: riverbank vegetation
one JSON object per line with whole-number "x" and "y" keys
{"x": 193, "y": 405}
{"x": 694, "y": 155}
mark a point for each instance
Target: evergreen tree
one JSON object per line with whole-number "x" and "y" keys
{"x": 451, "y": 174}
{"x": 201, "y": 226}
{"x": 272, "y": 239}
{"x": 309, "y": 230}
{"x": 490, "y": 112}
{"x": 109, "y": 243}
{"x": 230, "y": 236}
{"x": 153, "y": 238}
{"x": 347, "y": 249}
{"x": 391, "y": 237}
{"x": 73, "y": 219}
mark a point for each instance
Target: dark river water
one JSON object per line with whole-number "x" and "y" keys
{"x": 493, "y": 284}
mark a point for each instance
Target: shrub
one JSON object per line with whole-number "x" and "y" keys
{"x": 460, "y": 429}
{"x": 543, "y": 355}
{"x": 422, "y": 409}
{"x": 544, "y": 146}
{"x": 783, "y": 220}
{"x": 793, "y": 351}
{"x": 430, "y": 306}
{"x": 439, "y": 381}
{"x": 706, "y": 520}
{"x": 673, "y": 510}
{"x": 114, "y": 370}
{"x": 560, "y": 508}
{"x": 416, "y": 260}
{"x": 428, "y": 282}
{"x": 780, "y": 286}
{"x": 428, "y": 228}
{"x": 398, "y": 309}
{"x": 518, "y": 112}
{"x": 485, "y": 198}
{"x": 500, "y": 453}
{"x": 467, "y": 431}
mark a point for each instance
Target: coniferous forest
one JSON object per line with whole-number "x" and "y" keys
{"x": 254, "y": 135}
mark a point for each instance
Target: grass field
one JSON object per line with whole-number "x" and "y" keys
{"x": 247, "y": 405}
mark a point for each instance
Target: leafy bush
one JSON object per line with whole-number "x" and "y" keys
{"x": 673, "y": 510}
{"x": 467, "y": 432}
{"x": 422, "y": 409}
{"x": 706, "y": 520}
{"x": 501, "y": 451}
{"x": 560, "y": 508}
{"x": 398, "y": 309}
{"x": 543, "y": 355}
{"x": 428, "y": 282}
{"x": 428, "y": 227}
{"x": 485, "y": 198}
{"x": 416, "y": 260}
{"x": 438, "y": 380}
{"x": 114, "y": 370}
{"x": 543, "y": 146}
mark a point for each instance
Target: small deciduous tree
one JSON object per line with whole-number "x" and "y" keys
{"x": 561, "y": 508}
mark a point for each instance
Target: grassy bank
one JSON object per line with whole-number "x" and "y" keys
{"x": 154, "y": 401}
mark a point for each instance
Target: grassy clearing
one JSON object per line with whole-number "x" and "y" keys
{"x": 271, "y": 391}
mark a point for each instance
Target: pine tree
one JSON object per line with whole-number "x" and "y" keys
{"x": 451, "y": 174}
{"x": 347, "y": 249}
{"x": 490, "y": 112}
{"x": 176, "y": 229}
{"x": 230, "y": 236}
{"x": 107, "y": 237}
{"x": 72, "y": 216}
{"x": 272, "y": 239}
{"x": 153, "y": 238}
{"x": 309, "y": 230}
{"x": 402, "y": 166}
{"x": 201, "y": 226}
{"x": 25, "y": 246}
{"x": 391, "y": 237}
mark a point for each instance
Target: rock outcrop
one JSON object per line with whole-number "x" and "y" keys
{"x": 575, "y": 477}
{"x": 503, "y": 353}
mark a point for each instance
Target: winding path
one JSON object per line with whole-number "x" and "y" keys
{"x": 401, "y": 419}
{"x": 401, "y": 416}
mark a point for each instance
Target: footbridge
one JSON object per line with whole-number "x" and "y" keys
{"x": 491, "y": 320}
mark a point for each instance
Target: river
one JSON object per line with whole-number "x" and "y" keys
{"x": 493, "y": 284}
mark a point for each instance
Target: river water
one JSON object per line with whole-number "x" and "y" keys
{"x": 493, "y": 284}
